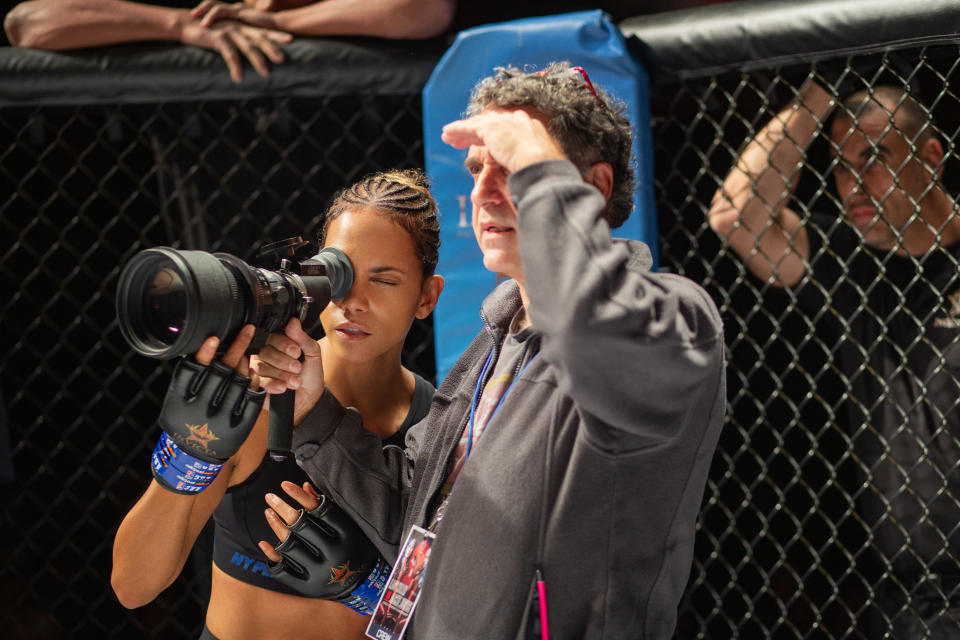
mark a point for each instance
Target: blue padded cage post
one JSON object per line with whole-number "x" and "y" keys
{"x": 588, "y": 39}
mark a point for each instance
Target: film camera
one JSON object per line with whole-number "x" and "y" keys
{"x": 170, "y": 301}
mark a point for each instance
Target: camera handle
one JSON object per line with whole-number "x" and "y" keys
{"x": 327, "y": 275}
{"x": 280, "y": 426}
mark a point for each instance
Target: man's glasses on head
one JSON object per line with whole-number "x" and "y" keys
{"x": 586, "y": 80}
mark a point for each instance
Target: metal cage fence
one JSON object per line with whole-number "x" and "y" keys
{"x": 833, "y": 506}
{"x": 83, "y": 189}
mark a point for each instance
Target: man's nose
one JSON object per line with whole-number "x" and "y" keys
{"x": 490, "y": 187}
{"x": 848, "y": 184}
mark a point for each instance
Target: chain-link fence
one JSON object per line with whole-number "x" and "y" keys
{"x": 82, "y": 189}
{"x": 833, "y": 508}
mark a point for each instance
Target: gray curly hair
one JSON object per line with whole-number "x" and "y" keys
{"x": 589, "y": 128}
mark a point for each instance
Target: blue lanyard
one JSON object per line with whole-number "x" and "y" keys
{"x": 476, "y": 398}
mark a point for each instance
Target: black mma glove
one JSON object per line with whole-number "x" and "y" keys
{"x": 207, "y": 414}
{"x": 327, "y": 556}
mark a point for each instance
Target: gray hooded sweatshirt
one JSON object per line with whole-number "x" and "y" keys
{"x": 593, "y": 467}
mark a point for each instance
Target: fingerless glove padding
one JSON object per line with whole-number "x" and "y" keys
{"x": 209, "y": 411}
{"x": 326, "y": 554}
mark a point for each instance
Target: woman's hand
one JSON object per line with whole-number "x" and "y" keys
{"x": 280, "y": 514}
{"x": 234, "y": 355}
{"x": 280, "y": 367}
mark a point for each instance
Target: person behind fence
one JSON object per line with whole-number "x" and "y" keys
{"x": 387, "y": 224}
{"x": 886, "y": 272}
{"x": 253, "y": 30}
{"x": 234, "y": 30}
{"x": 564, "y": 458}
{"x": 411, "y": 18}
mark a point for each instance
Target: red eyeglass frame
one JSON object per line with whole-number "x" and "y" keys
{"x": 586, "y": 79}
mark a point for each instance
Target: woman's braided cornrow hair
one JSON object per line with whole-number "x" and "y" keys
{"x": 404, "y": 195}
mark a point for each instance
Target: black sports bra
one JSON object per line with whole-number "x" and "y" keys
{"x": 238, "y": 519}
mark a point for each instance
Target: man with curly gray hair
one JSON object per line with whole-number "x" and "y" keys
{"x": 590, "y": 124}
{"x": 564, "y": 458}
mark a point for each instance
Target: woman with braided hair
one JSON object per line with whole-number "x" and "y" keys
{"x": 387, "y": 224}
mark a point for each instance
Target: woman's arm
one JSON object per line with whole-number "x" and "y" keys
{"x": 155, "y": 539}
{"x": 157, "y": 534}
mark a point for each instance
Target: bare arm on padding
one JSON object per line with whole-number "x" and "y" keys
{"x": 749, "y": 211}
{"x": 61, "y": 25}
{"x": 399, "y": 19}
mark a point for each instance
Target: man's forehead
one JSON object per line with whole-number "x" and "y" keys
{"x": 475, "y": 155}
{"x": 870, "y": 129}
{"x": 874, "y": 123}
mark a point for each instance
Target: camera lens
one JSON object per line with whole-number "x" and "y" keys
{"x": 169, "y": 301}
{"x": 166, "y": 306}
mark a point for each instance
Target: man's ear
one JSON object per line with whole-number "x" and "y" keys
{"x": 600, "y": 175}
{"x": 429, "y": 294}
{"x": 931, "y": 155}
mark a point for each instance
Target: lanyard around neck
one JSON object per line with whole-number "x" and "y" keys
{"x": 479, "y": 391}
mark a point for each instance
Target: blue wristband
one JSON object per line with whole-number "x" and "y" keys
{"x": 179, "y": 471}
{"x": 363, "y": 599}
